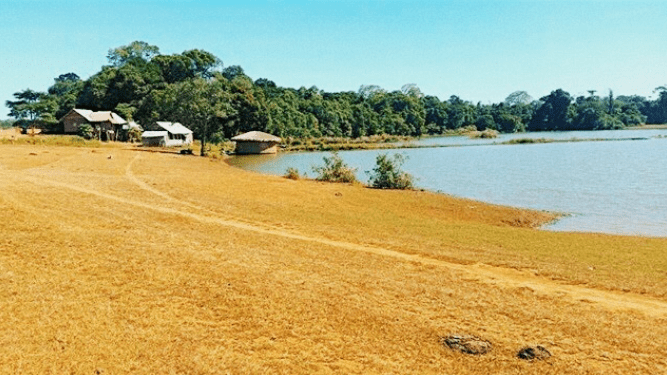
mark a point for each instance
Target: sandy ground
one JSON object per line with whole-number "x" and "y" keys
{"x": 121, "y": 261}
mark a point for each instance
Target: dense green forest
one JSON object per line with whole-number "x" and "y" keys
{"x": 219, "y": 102}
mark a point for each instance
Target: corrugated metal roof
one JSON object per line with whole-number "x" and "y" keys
{"x": 174, "y": 127}
{"x": 256, "y": 136}
{"x": 84, "y": 112}
{"x": 103, "y": 116}
{"x": 100, "y": 116}
{"x": 115, "y": 119}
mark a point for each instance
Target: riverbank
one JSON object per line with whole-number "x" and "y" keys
{"x": 387, "y": 142}
{"x": 120, "y": 261}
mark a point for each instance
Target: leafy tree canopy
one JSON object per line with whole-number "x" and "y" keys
{"x": 132, "y": 53}
{"x": 193, "y": 88}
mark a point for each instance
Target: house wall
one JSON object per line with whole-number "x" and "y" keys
{"x": 154, "y": 141}
{"x": 104, "y": 126}
{"x": 256, "y": 147}
{"x": 72, "y": 121}
{"x": 175, "y": 142}
{"x": 179, "y": 139}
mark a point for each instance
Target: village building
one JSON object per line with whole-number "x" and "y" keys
{"x": 256, "y": 142}
{"x": 106, "y": 124}
{"x": 172, "y": 134}
{"x": 128, "y": 132}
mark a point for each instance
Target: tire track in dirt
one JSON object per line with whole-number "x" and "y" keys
{"x": 134, "y": 179}
{"x": 492, "y": 275}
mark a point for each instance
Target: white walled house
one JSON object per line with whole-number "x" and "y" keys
{"x": 173, "y": 135}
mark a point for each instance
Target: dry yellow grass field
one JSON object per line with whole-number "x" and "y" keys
{"x": 117, "y": 260}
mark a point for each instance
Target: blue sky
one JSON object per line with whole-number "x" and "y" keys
{"x": 480, "y": 51}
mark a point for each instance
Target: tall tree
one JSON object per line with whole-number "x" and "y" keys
{"x": 658, "y": 108}
{"x": 411, "y": 89}
{"x": 460, "y": 113}
{"x": 435, "y": 115}
{"x": 232, "y": 72}
{"x": 204, "y": 64}
{"x": 32, "y": 108}
{"x": 610, "y": 103}
{"x": 133, "y": 52}
{"x": 554, "y": 113}
{"x": 202, "y": 105}
{"x": 368, "y": 91}
{"x": 518, "y": 97}
{"x": 65, "y": 92}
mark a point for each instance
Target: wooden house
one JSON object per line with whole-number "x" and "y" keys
{"x": 256, "y": 142}
{"x": 172, "y": 134}
{"x": 105, "y": 124}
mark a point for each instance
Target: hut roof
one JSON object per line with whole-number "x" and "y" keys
{"x": 83, "y": 112}
{"x": 256, "y": 136}
{"x": 100, "y": 116}
{"x": 174, "y": 127}
{"x": 103, "y": 116}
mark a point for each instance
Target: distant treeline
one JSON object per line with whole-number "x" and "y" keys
{"x": 6, "y": 123}
{"x": 217, "y": 103}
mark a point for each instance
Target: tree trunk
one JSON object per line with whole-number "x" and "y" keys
{"x": 202, "y": 152}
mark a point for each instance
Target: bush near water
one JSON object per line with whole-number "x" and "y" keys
{"x": 388, "y": 174}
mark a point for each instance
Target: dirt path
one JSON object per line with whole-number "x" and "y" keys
{"x": 495, "y": 276}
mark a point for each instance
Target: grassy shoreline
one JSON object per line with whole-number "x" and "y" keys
{"x": 115, "y": 260}
{"x": 404, "y": 142}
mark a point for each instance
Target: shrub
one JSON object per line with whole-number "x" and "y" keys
{"x": 335, "y": 170}
{"x": 488, "y": 133}
{"x": 134, "y": 134}
{"x": 86, "y": 131}
{"x": 292, "y": 174}
{"x": 387, "y": 173}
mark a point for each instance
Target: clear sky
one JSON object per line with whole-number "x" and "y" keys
{"x": 480, "y": 51}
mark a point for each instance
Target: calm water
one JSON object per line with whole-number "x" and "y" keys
{"x": 611, "y": 187}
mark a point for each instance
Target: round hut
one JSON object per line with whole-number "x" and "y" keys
{"x": 256, "y": 142}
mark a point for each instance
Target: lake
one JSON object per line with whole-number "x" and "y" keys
{"x": 617, "y": 186}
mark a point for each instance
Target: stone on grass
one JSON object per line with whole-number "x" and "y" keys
{"x": 467, "y": 344}
{"x": 536, "y": 353}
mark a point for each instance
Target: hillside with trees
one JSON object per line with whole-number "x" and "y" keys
{"x": 218, "y": 102}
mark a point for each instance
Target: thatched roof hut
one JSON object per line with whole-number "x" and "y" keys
{"x": 256, "y": 142}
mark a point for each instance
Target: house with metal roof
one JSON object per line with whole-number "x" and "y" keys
{"x": 105, "y": 124}
{"x": 256, "y": 142}
{"x": 172, "y": 134}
